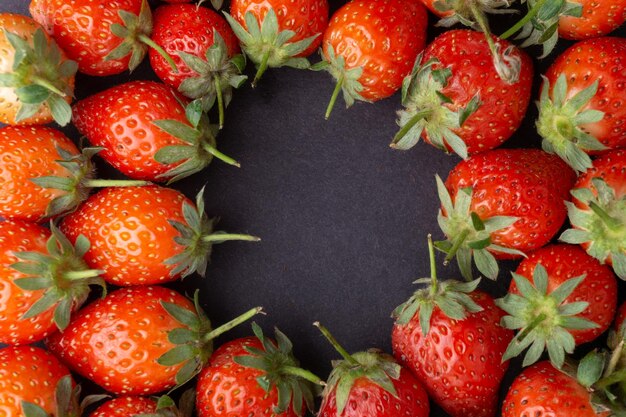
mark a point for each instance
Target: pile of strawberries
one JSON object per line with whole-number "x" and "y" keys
{"x": 466, "y": 93}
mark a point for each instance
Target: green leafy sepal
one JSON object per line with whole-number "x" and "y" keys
{"x": 459, "y": 11}
{"x": 166, "y": 406}
{"x": 543, "y": 318}
{"x": 602, "y": 225}
{"x": 40, "y": 76}
{"x": 197, "y": 236}
{"x": 61, "y": 273}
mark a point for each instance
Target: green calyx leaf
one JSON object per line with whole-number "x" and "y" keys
{"x": 543, "y": 318}
{"x": 166, "y": 406}
{"x": 196, "y": 235}
{"x": 347, "y": 78}
{"x": 61, "y": 273}
{"x": 67, "y": 398}
{"x": 41, "y": 76}
{"x": 560, "y": 120}
{"x": 134, "y": 31}
{"x": 469, "y": 236}
{"x": 601, "y": 224}
{"x": 281, "y": 370}
{"x": 427, "y": 110}
{"x": 466, "y": 15}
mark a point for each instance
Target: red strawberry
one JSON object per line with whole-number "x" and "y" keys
{"x": 456, "y": 100}
{"x": 126, "y": 407}
{"x": 33, "y": 383}
{"x": 548, "y": 391}
{"x": 206, "y": 52}
{"x": 145, "y": 235}
{"x": 371, "y": 384}
{"x": 500, "y": 204}
{"x": 146, "y": 131}
{"x": 105, "y": 37}
{"x": 449, "y": 335}
{"x": 598, "y": 212}
{"x": 559, "y": 298}
{"x": 598, "y": 18}
{"x": 252, "y": 376}
{"x": 370, "y": 45}
{"x": 139, "y": 340}
{"x": 43, "y": 279}
{"x": 276, "y": 33}
{"x": 580, "y": 110}
{"x": 36, "y": 78}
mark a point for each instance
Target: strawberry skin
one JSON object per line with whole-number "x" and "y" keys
{"x": 542, "y": 390}
{"x": 116, "y": 341}
{"x": 599, "y": 18}
{"x": 459, "y": 361}
{"x": 31, "y": 374}
{"x": 125, "y": 407}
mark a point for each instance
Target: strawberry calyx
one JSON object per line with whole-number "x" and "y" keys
{"x": 166, "y": 406}
{"x": 198, "y": 237}
{"x": 540, "y": 25}
{"x": 296, "y": 386}
{"x": 602, "y": 225}
{"x": 561, "y": 119}
{"x": 543, "y": 318}
{"x": 61, "y": 273}
{"x": 267, "y": 46}
{"x": 468, "y": 235}
{"x": 217, "y": 76}
{"x": 135, "y": 34}
{"x": 40, "y": 76}
{"x": 613, "y": 381}
{"x": 82, "y": 179}
{"x": 379, "y": 368}
{"x": 217, "y": 4}
{"x": 428, "y": 109}
{"x": 451, "y": 296}
{"x": 199, "y": 148}
{"x": 194, "y": 341}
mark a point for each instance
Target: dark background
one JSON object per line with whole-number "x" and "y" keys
{"x": 343, "y": 218}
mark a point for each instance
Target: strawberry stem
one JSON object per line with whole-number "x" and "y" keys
{"x": 609, "y": 221}
{"x": 536, "y": 322}
{"x": 303, "y": 373}
{"x": 409, "y": 125}
{"x": 152, "y": 44}
{"x": 333, "y": 98}
{"x": 219, "y": 155}
{"x": 221, "y": 237}
{"x": 344, "y": 353}
{"x": 232, "y": 324}
{"x": 614, "y": 359}
{"x": 114, "y": 183}
{"x": 47, "y": 85}
{"x": 220, "y": 100}
{"x": 455, "y": 247}
{"x": 531, "y": 13}
{"x": 78, "y": 275}
{"x": 262, "y": 68}
{"x": 433, "y": 265}
{"x": 614, "y": 378}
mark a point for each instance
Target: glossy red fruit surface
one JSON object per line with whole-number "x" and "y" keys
{"x": 125, "y": 407}
{"x": 599, "y": 18}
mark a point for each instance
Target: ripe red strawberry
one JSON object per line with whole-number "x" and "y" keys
{"x": 43, "y": 173}
{"x": 598, "y": 18}
{"x": 147, "y": 132}
{"x": 126, "y": 407}
{"x": 370, "y": 46}
{"x": 449, "y": 335}
{"x": 33, "y": 383}
{"x": 252, "y": 376}
{"x": 370, "y": 384}
{"x": 580, "y": 109}
{"x": 43, "y": 279}
{"x": 455, "y": 98}
{"x": 559, "y": 297}
{"x": 276, "y": 33}
{"x": 598, "y": 211}
{"x": 36, "y": 78}
{"x": 206, "y": 52}
{"x": 104, "y": 37}
{"x": 139, "y": 340}
{"x": 501, "y": 204}
{"x": 145, "y": 235}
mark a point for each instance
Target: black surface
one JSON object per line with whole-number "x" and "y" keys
{"x": 343, "y": 218}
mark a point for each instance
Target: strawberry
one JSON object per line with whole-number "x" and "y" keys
{"x": 598, "y": 213}
{"x": 36, "y": 78}
{"x": 251, "y": 376}
{"x": 370, "y": 384}
{"x": 44, "y": 279}
{"x": 206, "y": 52}
{"x": 456, "y": 99}
{"x": 139, "y": 340}
{"x": 580, "y": 109}
{"x": 44, "y": 174}
{"x": 126, "y": 407}
{"x": 276, "y": 33}
{"x": 104, "y": 37}
{"x": 146, "y": 235}
{"x": 147, "y": 132}
{"x": 370, "y": 45}
{"x": 448, "y": 334}
{"x": 559, "y": 297}
{"x": 501, "y": 204}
